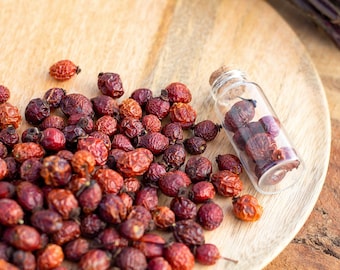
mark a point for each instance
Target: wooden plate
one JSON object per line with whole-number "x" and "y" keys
{"x": 151, "y": 44}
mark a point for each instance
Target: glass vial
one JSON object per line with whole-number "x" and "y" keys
{"x": 255, "y": 131}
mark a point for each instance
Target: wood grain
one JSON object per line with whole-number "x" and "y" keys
{"x": 151, "y": 44}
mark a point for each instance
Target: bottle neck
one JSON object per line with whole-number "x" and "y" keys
{"x": 225, "y": 80}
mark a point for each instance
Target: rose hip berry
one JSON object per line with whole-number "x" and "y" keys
{"x": 247, "y": 208}
{"x": 110, "y": 84}
{"x": 271, "y": 125}
{"x": 151, "y": 123}
{"x": 260, "y": 147}
{"x": 109, "y": 180}
{"x": 76, "y": 103}
{"x": 23, "y": 237}
{"x": 7, "y": 190}
{"x": 11, "y": 212}
{"x": 53, "y": 121}
{"x": 69, "y": 231}
{"x": 106, "y": 124}
{"x": 178, "y": 92}
{"x": 24, "y": 260}
{"x": 83, "y": 163}
{"x": 151, "y": 244}
{"x": 9, "y": 115}
{"x": 210, "y": 216}
{"x": 53, "y": 139}
{"x": 121, "y": 141}
{"x": 50, "y": 257}
{"x": 241, "y": 113}
{"x": 111, "y": 240}
{"x": 95, "y": 259}
{"x": 131, "y": 127}
{"x": 141, "y": 95}
{"x": 172, "y": 182}
{"x": 174, "y": 132}
{"x": 4, "y": 94}
{"x": 47, "y": 221}
{"x": 105, "y": 105}
{"x": 53, "y": 96}
{"x": 183, "y": 208}
{"x": 174, "y": 156}
{"x": 163, "y": 217}
{"x": 202, "y": 191}
{"x": 90, "y": 197}
{"x": 206, "y": 129}
{"x": 75, "y": 249}
{"x": 135, "y": 162}
{"x": 130, "y": 108}
{"x": 195, "y": 145}
{"x": 36, "y": 110}
{"x": 183, "y": 113}
{"x": 29, "y": 196}
{"x": 96, "y": 147}
{"x": 179, "y": 256}
{"x": 156, "y": 142}
{"x": 147, "y": 197}
{"x": 198, "y": 168}
{"x": 64, "y": 202}
{"x": 155, "y": 171}
{"x": 208, "y": 254}
{"x": 189, "y": 232}
{"x": 229, "y": 162}
{"x": 227, "y": 183}
{"x": 56, "y": 171}
{"x": 9, "y": 136}
{"x": 91, "y": 225}
{"x": 158, "y": 263}
{"x": 131, "y": 258}
{"x": 3, "y": 169}
{"x": 112, "y": 209}
{"x": 159, "y": 106}
{"x": 63, "y": 70}
{"x": 132, "y": 229}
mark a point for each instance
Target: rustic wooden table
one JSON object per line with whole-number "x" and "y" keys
{"x": 317, "y": 245}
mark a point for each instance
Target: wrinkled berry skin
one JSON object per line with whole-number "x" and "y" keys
{"x": 207, "y": 130}
{"x": 184, "y": 114}
{"x": 11, "y": 212}
{"x": 26, "y": 150}
{"x": 3, "y": 169}
{"x": 90, "y": 197}
{"x": 141, "y": 213}
{"x": 53, "y": 139}
{"x": 210, "y": 216}
{"x": 135, "y": 162}
{"x": 147, "y": 197}
{"x": 110, "y": 84}
{"x": 132, "y": 229}
{"x": 178, "y": 92}
{"x": 183, "y": 208}
{"x": 172, "y": 182}
{"x": 158, "y": 263}
{"x": 107, "y": 125}
{"x": 174, "y": 156}
{"x": 241, "y": 113}
{"x": 63, "y": 70}
{"x": 158, "y": 106}
{"x": 9, "y": 136}
{"x": 36, "y": 110}
{"x": 202, "y": 191}
{"x": 189, "y": 232}
{"x": 91, "y": 225}
{"x": 229, "y": 162}
{"x": 151, "y": 123}
{"x": 9, "y": 115}
{"x": 23, "y": 237}
{"x": 47, "y": 221}
{"x": 4, "y": 94}
{"x": 260, "y": 147}
{"x": 76, "y": 103}
{"x": 227, "y": 183}
{"x": 69, "y": 231}
{"x": 130, "y": 108}
{"x": 29, "y": 196}
{"x": 151, "y": 244}
{"x": 247, "y": 208}
{"x": 50, "y": 257}
{"x": 24, "y": 260}
{"x": 131, "y": 258}
{"x": 163, "y": 217}
{"x": 121, "y": 141}
{"x": 56, "y": 171}
{"x": 156, "y": 142}
{"x": 195, "y": 145}
{"x": 109, "y": 180}
{"x": 63, "y": 201}
{"x": 112, "y": 209}
{"x": 96, "y": 147}
{"x": 155, "y": 171}
{"x": 111, "y": 240}
{"x": 7, "y": 189}
{"x": 76, "y": 248}
{"x": 207, "y": 254}
{"x": 105, "y": 105}
{"x": 141, "y": 95}
{"x": 198, "y": 168}
{"x": 31, "y": 134}
{"x": 53, "y": 96}
{"x": 174, "y": 132}
{"x": 179, "y": 256}
{"x": 95, "y": 259}
{"x": 131, "y": 127}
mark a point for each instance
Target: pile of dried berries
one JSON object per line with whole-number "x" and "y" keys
{"x": 84, "y": 187}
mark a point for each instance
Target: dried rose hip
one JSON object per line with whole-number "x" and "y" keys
{"x": 11, "y": 212}
{"x": 72, "y": 134}
{"x": 109, "y": 180}
{"x": 63, "y": 70}
{"x": 202, "y": 191}
{"x": 3, "y": 169}
{"x": 241, "y": 136}
{"x": 151, "y": 123}
{"x": 159, "y": 106}
{"x": 174, "y": 132}
{"x": 105, "y": 105}
{"x": 112, "y": 209}
{"x": 179, "y": 256}
{"x": 83, "y": 163}
{"x": 208, "y": 254}
{"x": 131, "y": 185}
{"x": 141, "y": 213}
{"x": 56, "y": 171}
{"x": 227, "y": 183}
{"x": 247, "y": 208}
{"x": 47, "y": 221}
{"x": 131, "y": 127}
{"x": 9, "y": 115}
{"x": 31, "y": 134}
{"x": 7, "y": 266}
{"x": 76, "y": 184}
{"x": 172, "y": 182}
{"x": 241, "y": 113}
{"x": 64, "y": 202}
{"x": 130, "y": 108}
{"x": 127, "y": 200}
{"x": 36, "y": 110}
{"x": 53, "y": 96}
{"x": 183, "y": 113}
{"x": 131, "y": 258}
{"x": 29, "y": 196}
{"x": 75, "y": 249}
{"x": 4, "y": 94}
{"x": 198, "y": 168}
{"x": 178, "y": 92}
{"x": 189, "y": 232}
{"x": 158, "y": 263}
{"x": 163, "y": 217}
{"x": 210, "y": 216}
{"x": 132, "y": 229}
{"x": 260, "y": 147}
{"x": 135, "y": 162}
{"x": 104, "y": 137}
{"x": 147, "y": 197}
{"x": 114, "y": 155}
{"x": 69, "y": 231}
{"x": 7, "y": 190}
{"x": 26, "y": 150}
{"x": 110, "y": 84}
{"x": 91, "y": 225}
{"x": 271, "y": 125}
{"x": 9, "y": 136}
{"x": 52, "y": 121}
{"x": 111, "y": 240}
{"x": 96, "y": 147}
{"x": 76, "y": 103}
{"x": 155, "y": 171}
{"x": 195, "y": 145}
{"x": 50, "y": 257}
{"x": 156, "y": 142}
{"x": 207, "y": 130}
{"x": 229, "y": 162}
{"x": 81, "y": 120}
{"x": 12, "y": 168}
{"x": 183, "y": 208}
{"x": 52, "y": 139}
{"x": 141, "y": 95}
{"x": 95, "y": 259}
{"x": 3, "y": 150}
{"x": 174, "y": 156}
{"x": 24, "y": 260}
{"x": 151, "y": 244}
{"x": 121, "y": 141}
{"x": 23, "y": 237}
{"x": 106, "y": 124}
{"x": 90, "y": 197}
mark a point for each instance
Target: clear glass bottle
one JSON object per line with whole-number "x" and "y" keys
{"x": 255, "y": 131}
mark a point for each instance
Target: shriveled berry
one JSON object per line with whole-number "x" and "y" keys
{"x": 83, "y": 163}
{"x": 163, "y": 217}
{"x": 174, "y": 132}
{"x": 6, "y": 265}
{"x": 131, "y": 258}
{"x": 111, "y": 240}
{"x": 195, "y": 145}
{"x": 104, "y": 137}
{"x": 11, "y": 212}
{"x": 109, "y": 180}
{"x": 56, "y": 171}
{"x": 151, "y": 244}
{"x": 9, "y": 136}
{"x": 131, "y": 185}
{"x": 36, "y": 111}
{"x": 183, "y": 113}
{"x": 31, "y": 134}
{"x": 90, "y": 197}
{"x": 141, "y": 95}
{"x": 155, "y": 171}
{"x": 7, "y": 189}
{"x": 229, "y": 162}
{"x": 105, "y": 105}
{"x": 50, "y": 257}
{"x": 64, "y": 202}
{"x": 3, "y": 169}
{"x": 131, "y": 127}
{"x": 147, "y": 197}
{"x": 76, "y": 248}
{"x": 113, "y": 156}
{"x": 178, "y": 92}
{"x": 135, "y": 162}
{"x": 241, "y": 136}
{"x": 81, "y": 120}
{"x": 76, "y": 103}
{"x": 189, "y": 232}
{"x": 63, "y": 70}
{"x": 183, "y": 208}
{"x": 112, "y": 209}
{"x": 130, "y": 108}
{"x": 127, "y": 200}
{"x": 271, "y": 125}
{"x": 4, "y": 94}
{"x": 174, "y": 156}
{"x": 132, "y": 229}
{"x": 198, "y": 168}
{"x": 110, "y": 84}
{"x": 151, "y": 123}
{"x": 159, "y": 106}
{"x": 29, "y": 196}
{"x": 207, "y": 254}
{"x": 179, "y": 256}
{"x": 96, "y": 147}
{"x": 53, "y": 121}
{"x": 53, "y": 96}
{"x": 25, "y": 260}
{"x": 241, "y": 113}
{"x": 65, "y": 154}
{"x": 9, "y": 115}
{"x": 207, "y": 130}
{"x": 6, "y": 251}
{"x": 95, "y": 259}
{"x": 210, "y": 216}
{"x": 12, "y": 168}
{"x": 227, "y": 183}
{"x": 73, "y": 133}
{"x": 53, "y": 139}
{"x": 26, "y": 150}
{"x": 47, "y": 221}
{"x": 3, "y": 150}
{"x": 77, "y": 184}
{"x": 202, "y": 191}
{"x": 158, "y": 263}
{"x": 260, "y": 147}
{"x": 91, "y": 225}
{"x": 23, "y": 237}
{"x": 69, "y": 231}
{"x": 172, "y": 182}
{"x": 247, "y": 208}
{"x": 106, "y": 124}
{"x": 121, "y": 141}
{"x": 156, "y": 142}
{"x": 141, "y": 213}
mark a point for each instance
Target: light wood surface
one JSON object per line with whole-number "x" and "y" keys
{"x": 151, "y": 44}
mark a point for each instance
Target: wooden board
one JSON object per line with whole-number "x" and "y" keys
{"x": 151, "y": 44}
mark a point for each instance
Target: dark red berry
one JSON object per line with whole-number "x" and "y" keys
{"x": 198, "y": 168}
{"x": 141, "y": 95}
{"x": 178, "y": 92}
{"x": 174, "y": 156}
{"x": 76, "y": 103}
{"x": 54, "y": 96}
{"x": 105, "y": 105}
{"x": 195, "y": 145}
{"x": 210, "y": 216}
{"x": 189, "y": 232}
{"x": 36, "y": 110}
{"x": 229, "y": 162}
{"x": 110, "y": 84}
{"x": 207, "y": 130}
{"x": 174, "y": 132}
{"x": 183, "y": 208}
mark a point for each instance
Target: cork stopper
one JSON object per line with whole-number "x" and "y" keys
{"x": 217, "y": 73}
